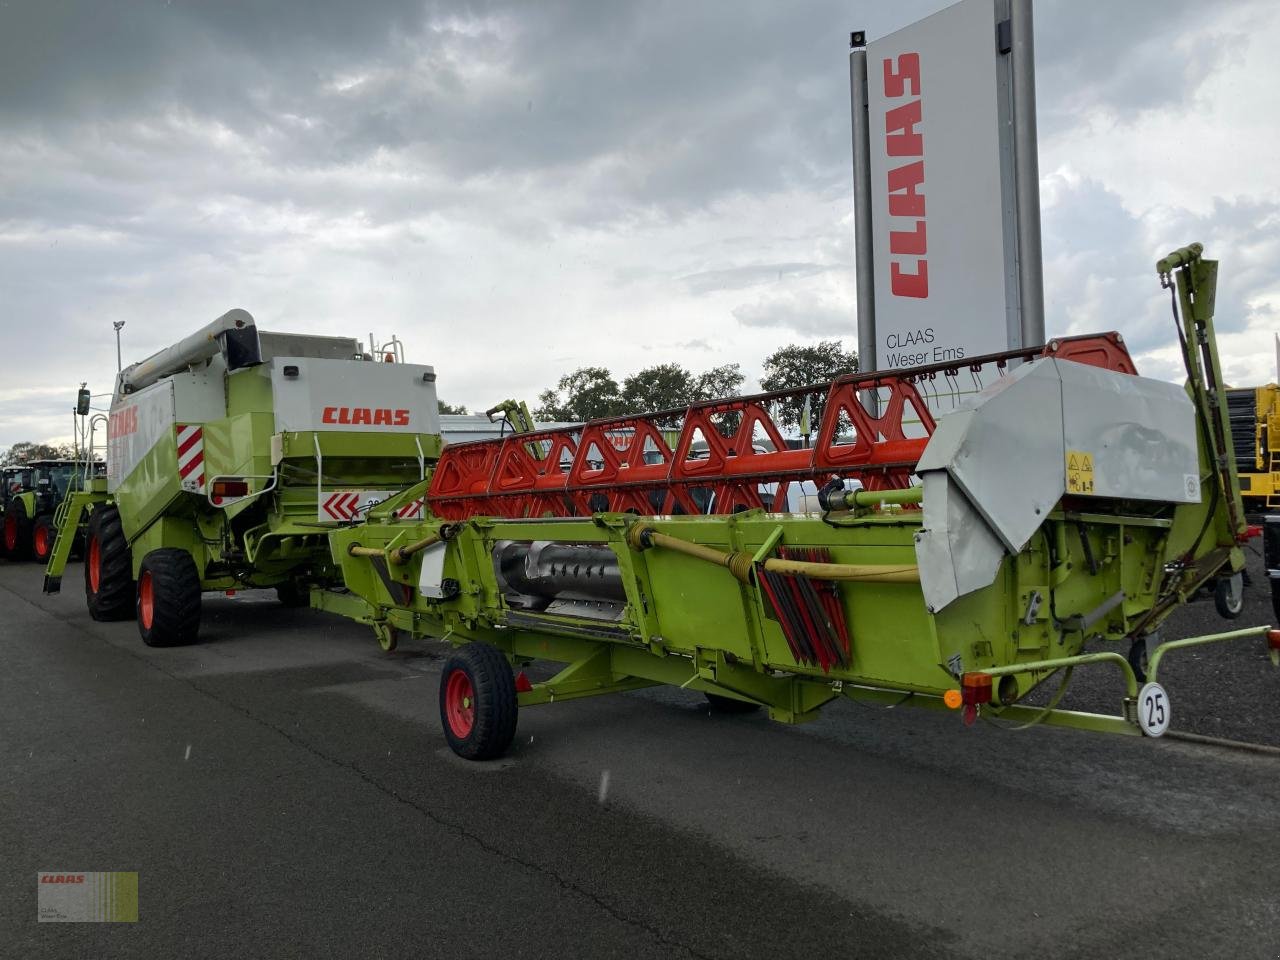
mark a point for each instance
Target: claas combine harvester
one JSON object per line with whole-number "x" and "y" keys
{"x": 230, "y": 456}
{"x": 968, "y": 549}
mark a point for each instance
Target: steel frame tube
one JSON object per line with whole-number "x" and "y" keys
{"x": 864, "y": 262}
{"x": 1026, "y": 161}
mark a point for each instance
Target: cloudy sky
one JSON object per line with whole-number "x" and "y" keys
{"x": 518, "y": 189}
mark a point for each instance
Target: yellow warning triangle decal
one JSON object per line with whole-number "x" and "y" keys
{"x": 1072, "y": 463}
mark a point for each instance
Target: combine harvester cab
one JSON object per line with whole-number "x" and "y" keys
{"x": 230, "y": 455}
{"x": 1062, "y": 510}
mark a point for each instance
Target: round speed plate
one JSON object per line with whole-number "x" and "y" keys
{"x": 1153, "y": 710}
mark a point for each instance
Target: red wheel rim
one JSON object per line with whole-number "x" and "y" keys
{"x": 95, "y": 564}
{"x": 42, "y": 541}
{"x": 459, "y": 704}
{"x": 10, "y": 532}
{"x": 146, "y": 600}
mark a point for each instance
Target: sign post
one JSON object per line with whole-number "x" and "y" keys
{"x": 946, "y": 187}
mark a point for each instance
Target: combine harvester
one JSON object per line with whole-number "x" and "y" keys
{"x": 1069, "y": 503}
{"x": 230, "y": 457}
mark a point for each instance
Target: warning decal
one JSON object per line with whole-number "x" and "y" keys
{"x": 1079, "y": 472}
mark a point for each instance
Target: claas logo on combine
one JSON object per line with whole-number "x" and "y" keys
{"x": 369, "y": 416}
{"x": 62, "y": 878}
{"x": 123, "y": 422}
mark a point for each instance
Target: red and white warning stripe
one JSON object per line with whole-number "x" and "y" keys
{"x": 191, "y": 456}
{"x": 354, "y": 504}
{"x": 343, "y": 505}
{"x": 412, "y": 511}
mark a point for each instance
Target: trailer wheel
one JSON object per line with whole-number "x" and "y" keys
{"x": 292, "y": 594}
{"x": 478, "y": 705}
{"x": 168, "y": 598}
{"x": 108, "y": 567}
{"x": 42, "y": 537}
{"x": 1228, "y": 596}
{"x": 719, "y": 704}
{"x": 17, "y": 530}
{"x": 1139, "y": 659}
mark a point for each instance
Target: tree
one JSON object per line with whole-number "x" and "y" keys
{"x": 449, "y": 408}
{"x": 24, "y": 451}
{"x": 586, "y": 394}
{"x": 719, "y": 383}
{"x": 662, "y": 387}
{"x": 795, "y": 366}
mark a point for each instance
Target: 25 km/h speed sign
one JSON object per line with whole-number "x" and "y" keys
{"x": 1153, "y": 710}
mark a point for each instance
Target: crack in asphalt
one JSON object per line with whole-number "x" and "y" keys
{"x": 540, "y": 869}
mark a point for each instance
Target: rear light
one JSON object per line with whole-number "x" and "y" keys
{"x": 1273, "y": 645}
{"x": 522, "y": 682}
{"x": 975, "y": 689}
{"x": 954, "y": 699}
{"x": 224, "y": 489}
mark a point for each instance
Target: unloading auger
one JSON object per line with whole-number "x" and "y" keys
{"x": 962, "y": 554}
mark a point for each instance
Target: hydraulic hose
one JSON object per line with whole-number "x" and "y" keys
{"x": 642, "y": 537}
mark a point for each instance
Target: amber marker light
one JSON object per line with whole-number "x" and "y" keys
{"x": 953, "y": 699}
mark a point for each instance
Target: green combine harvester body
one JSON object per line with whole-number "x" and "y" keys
{"x": 230, "y": 456}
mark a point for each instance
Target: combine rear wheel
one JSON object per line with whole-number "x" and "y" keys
{"x": 42, "y": 537}
{"x": 478, "y": 705}
{"x": 108, "y": 567}
{"x": 168, "y": 598}
{"x": 17, "y": 530}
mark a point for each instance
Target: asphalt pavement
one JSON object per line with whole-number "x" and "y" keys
{"x": 283, "y": 790}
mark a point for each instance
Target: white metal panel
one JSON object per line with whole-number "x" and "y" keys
{"x": 950, "y": 299}
{"x": 1006, "y": 461}
{"x": 1139, "y": 434}
{"x": 136, "y": 424}
{"x": 354, "y": 395}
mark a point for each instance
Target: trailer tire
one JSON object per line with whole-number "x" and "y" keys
{"x": 168, "y": 598}
{"x": 108, "y": 567}
{"x": 17, "y": 530}
{"x": 43, "y": 535}
{"x": 292, "y": 594}
{"x": 1139, "y": 659}
{"x": 478, "y": 706}
{"x": 728, "y": 705}
{"x": 1228, "y": 596}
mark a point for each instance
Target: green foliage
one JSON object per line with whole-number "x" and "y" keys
{"x": 24, "y": 451}
{"x": 586, "y": 394}
{"x": 795, "y": 366}
{"x": 591, "y": 392}
{"x": 450, "y": 409}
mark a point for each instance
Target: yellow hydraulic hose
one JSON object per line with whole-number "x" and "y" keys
{"x": 641, "y": 536}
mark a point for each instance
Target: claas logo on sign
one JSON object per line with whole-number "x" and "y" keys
{"x": 903, "y": 140}
{"x": 367, "y": 416}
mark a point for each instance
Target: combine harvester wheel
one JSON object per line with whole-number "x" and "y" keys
{"x": 168, "y": 598}
{"x": 108, "y": 568}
